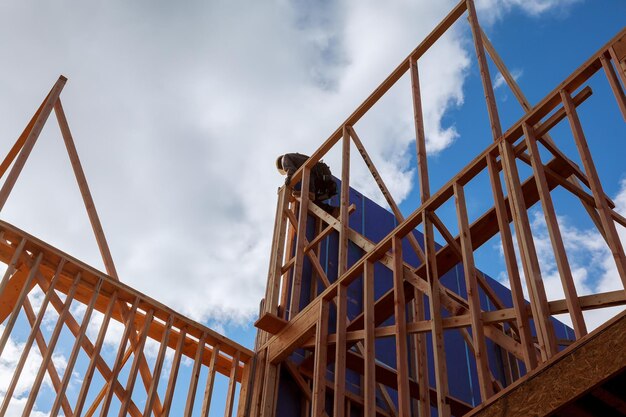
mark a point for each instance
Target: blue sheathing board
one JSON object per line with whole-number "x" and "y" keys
{"x": 375, "y": 222}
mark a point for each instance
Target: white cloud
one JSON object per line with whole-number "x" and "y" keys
{"x": 179, "y": 112}
{"x": 499, "y": 80}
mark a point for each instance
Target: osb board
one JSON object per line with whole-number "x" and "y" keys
{"x": 583, "y": 366}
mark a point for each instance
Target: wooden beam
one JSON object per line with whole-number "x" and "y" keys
{"x": 402, "y": 363}
{"x": 369, "y": 354}
{"x": 319, "y": 373}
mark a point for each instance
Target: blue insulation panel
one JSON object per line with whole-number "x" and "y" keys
{"x": 375, "y": 222}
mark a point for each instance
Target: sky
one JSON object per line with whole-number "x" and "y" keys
{"x": 179, "y": 111}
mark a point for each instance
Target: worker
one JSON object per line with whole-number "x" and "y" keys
{"x": 321, "y": 184}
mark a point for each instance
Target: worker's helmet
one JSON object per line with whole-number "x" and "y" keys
{"x": 279, "y": 165}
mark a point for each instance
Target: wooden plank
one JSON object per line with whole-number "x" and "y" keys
{"x": 171, "y": 383}
{"x": 232, "y": 384}
{"x": 369, "y": 102}
{"x": 117, "y": 365}
{"x": 158, "y": 368}
{"x": 473, "y": 297}
{"x": 369, "y": 354}
{"x": 278, "y": 244}
{"x": 94, "y": 219}
{"x": 195, "y": 374}
{"x": 47, "y": 352}
{"x": 210, "y": 382}
{"x": 35, "y": 333}
{"x": 611, "y": 76}
{"x": 530, "y": 263}
{"x": 594, "y": 358}
{"x": 67, "y": 374}
{"x": 340, "y": 352}
{"x": 441, "y": 374}
{"x": 8, "y": 327}
{"x": 319, "y": 374}
{"x": 294, "y": 305}
{"x": 132, "y": 374}
{"x": 402, "y": 359}
{"x": 246, "y": 380}
{"x": 565, "y": 273}
{"x": 342, "y": 262}
{"x": 613, "y": 239}
{"x": 95, "y": 355}
{"x": 11, "y": 269}
{"x": 492, "y": 108}
{"x": 517, "y": 294}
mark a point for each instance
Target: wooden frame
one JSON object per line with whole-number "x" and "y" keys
{"x": 285, "y": 324}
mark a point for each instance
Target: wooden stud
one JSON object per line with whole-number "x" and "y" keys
{"x": 118, "y": 364}
{"x": 208, "y": 391}
{"x": 530, "y": 263}
{"x": 615, "y": 244}
{"x": 195, "y": 374}
{"x": 618, "y": 92}
{"x": 517, "y": 294}
{"x": 369, "y": 354}
{"x": 402, "y": 363}
{"x": 30, "y": 140}
{"x": 294, "y": 306}
{"x": 340, "y": 352}
{"x": 158, "y": 367}
{"x": 492, "y": 108}
{"x": 132, "y": 374}
{"x": 246, "y": 380}
{"x": 84, "y": 389}
{"x": 35, "y": 325}
{"x": 441, "y": 374}
{"x": 565, "y": 273}
{"x": 345, "y": 202}
{"x": 47, "y": 354}
{"x": 232, "y": 382}
{"x": 319, "y": 375}
{"x": 473, "y": 297}
{"x": 274, "y": 275}
{"x": 171, "y": 383}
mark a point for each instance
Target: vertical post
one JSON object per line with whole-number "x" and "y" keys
{"x": 494, "y": 119}
{"x": 171, "y": 383}
{"x": 441, "y": 373}
{"x": 530, "y": 263}
{"x": 232, "y": 384}
{"x": 195, "y": 374}
{"x": 117, "y": 365}
{"x": 84, "y": 388}
{"x": 402, "y": 362}
{"x": 473, "y": 297}
{"x": 27, "y": 346}
{"x": 242, "y": 406}
{"x": 158, "y": 367}
{"x": 419, "y": 365}
{"x": 517, "y": 294}
{"x": 132, "y": 374}
{"x": 67, "y": 375}
{"x": 565, "y": 273}
{"x": 278, "y": 242}
{"x": 369, "y": 353}
{"x": 340, "y": 352}
{"x": 296, "y": 287}
{"x": 618, "y": 92}
{"x": 47, "y": 355}
{"x": 345, "y": 202}
{"x": 612, "y": 237}
{"x": 319, "y": 373}
{"x": 621, "y": 71}
{"x": 208, "y": 391}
